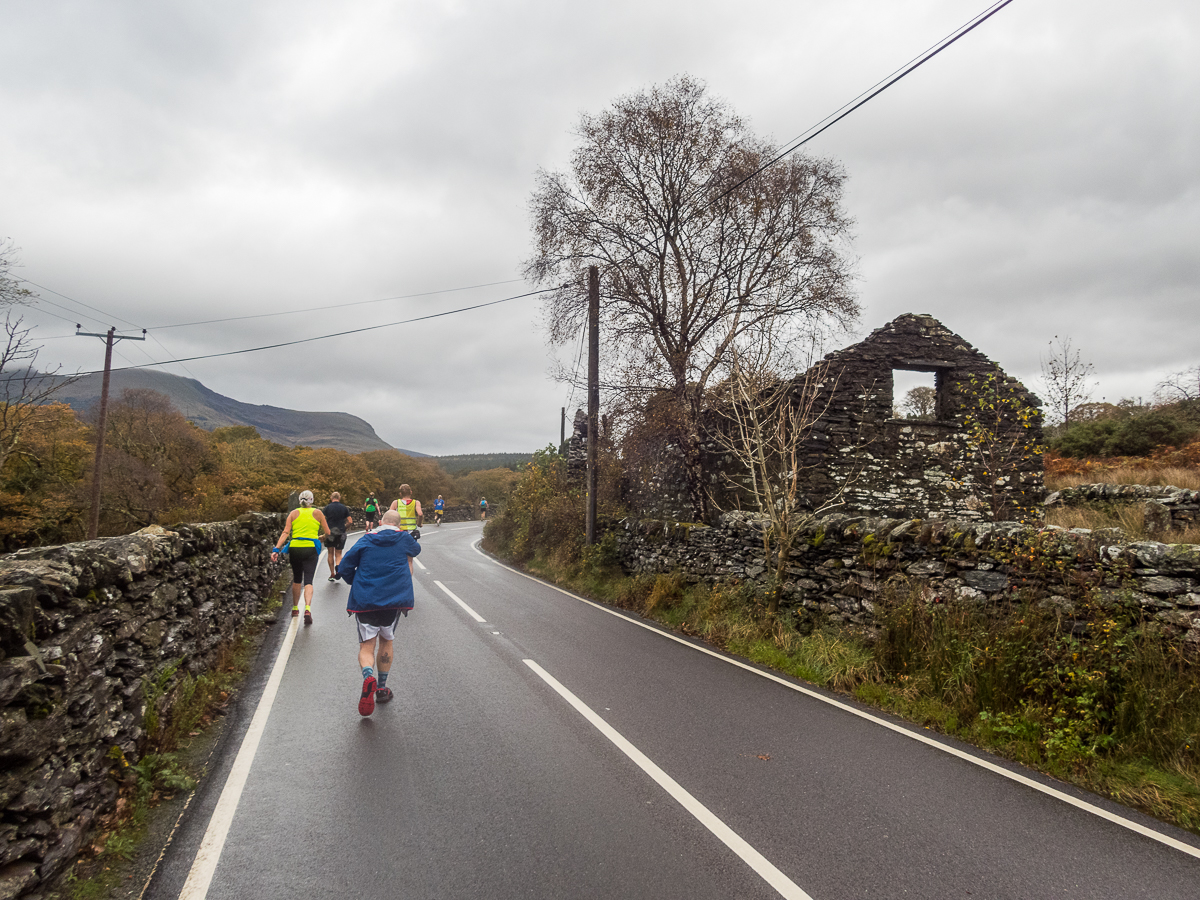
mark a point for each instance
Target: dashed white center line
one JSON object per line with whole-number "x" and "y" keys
{"x": 420, "y": 565}
{"x": 755, "y": 860}
{"x": 470, "y": 612}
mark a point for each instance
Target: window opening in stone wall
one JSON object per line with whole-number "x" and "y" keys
{"x": 914, "y": 394}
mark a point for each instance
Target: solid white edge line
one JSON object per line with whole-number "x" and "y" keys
{"x": 945, "y": 748}
{"x": 755, "y": 860}
{"x": 470, "y": 612}
{"x": 204, "y": 866}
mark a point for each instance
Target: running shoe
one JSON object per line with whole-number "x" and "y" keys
{"x": 333, "y": 578}
{"x": 366, "y": 703}
{"x": 295, "y": 612}
{"x": 383, "y": 695}
{"x": 308, "y": 617}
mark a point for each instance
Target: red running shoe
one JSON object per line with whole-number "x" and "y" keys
{"x": 295, "y": 612}
{"x": 308, "y": 617}
{"x": 366, "y": 703}
{"x": 383, "y": 695}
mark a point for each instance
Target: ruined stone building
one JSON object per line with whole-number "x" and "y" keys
{"x": 975, "y": 455}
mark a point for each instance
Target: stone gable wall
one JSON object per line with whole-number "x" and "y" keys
{"x": 842, "y": 564}
{"x": 83, "y": 629}
{"x": 865, "y": 461}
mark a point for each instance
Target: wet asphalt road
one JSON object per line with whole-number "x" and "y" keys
{"x": 480, "y": 780}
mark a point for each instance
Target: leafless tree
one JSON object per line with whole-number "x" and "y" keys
{"x": 765, "y": 424}
{"x": 694, "y": 262}
{"x": 11, "y": 292}
{"x": 23, "y": 389}
{"x": 921, "y": 402}
{"x": 1067, "y": 379}
{"x": 1178, "y": 386}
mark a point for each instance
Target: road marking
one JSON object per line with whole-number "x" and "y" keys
{"x": 755, "y": 860}
{"x": 470, "y": 612}
{"x": 204, "y": 866}
{"x": 420, "y": 565}
{"x": 1135, "y": 827}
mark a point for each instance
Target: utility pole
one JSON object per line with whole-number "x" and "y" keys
{"x": 593, "y": 414}
{"x": 562, "y": 433}
{"x": 109, "y": 338}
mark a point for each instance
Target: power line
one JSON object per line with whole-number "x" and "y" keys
{"x": 881, "y": 86}
{"x": 324, "y": 337}
{"x": 288, "y": 312}
{"x": 78, "y": 303}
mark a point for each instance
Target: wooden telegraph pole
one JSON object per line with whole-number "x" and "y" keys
{"x": 109, "y": 338}
{"x": 593, "y": 414}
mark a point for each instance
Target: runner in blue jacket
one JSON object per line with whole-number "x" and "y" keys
{"x": 378, "y": 569}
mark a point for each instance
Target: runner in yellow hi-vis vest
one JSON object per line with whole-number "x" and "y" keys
{"x": 411, "y": 517}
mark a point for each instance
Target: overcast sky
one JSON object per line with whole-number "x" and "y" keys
{"x": 169, "y": 163}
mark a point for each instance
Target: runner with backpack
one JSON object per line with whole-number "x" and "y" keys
{"x": 371, "y": 510}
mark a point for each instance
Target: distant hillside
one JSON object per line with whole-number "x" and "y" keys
{"x": 477, "y": 462}
{"x": 211, "y": 410}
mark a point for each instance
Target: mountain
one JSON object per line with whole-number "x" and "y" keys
{"x": 211, "y": 410}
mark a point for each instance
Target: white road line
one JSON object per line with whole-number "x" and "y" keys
{"x": 751, "y": 857}
{"x": 420, "y": 565}
{"x": 209, "y": 854}
{"x": 470, "y": 612}
{"x": 1135, "y": 827}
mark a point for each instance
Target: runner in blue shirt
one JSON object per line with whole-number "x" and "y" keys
{"x": 439, "y": 505}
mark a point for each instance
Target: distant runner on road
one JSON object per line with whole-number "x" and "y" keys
{"x": 378, "y": 569}
{"x": 371, "y": 508}
{"x": 482, "y": 508}
{"x": 439, "y": 507}
{"x": 337, "y": 514}
{"x": 301, "y": 536}
{"x": 409, "y": 510}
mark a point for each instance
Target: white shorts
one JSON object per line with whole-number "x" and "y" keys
{"x": 371, "y": 628}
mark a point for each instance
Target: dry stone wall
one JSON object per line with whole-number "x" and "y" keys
{"x": 84, "y": 630}
{"x": 843, "y": 564}
{"x": 1166, "y": 508}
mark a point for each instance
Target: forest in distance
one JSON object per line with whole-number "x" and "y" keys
{"x": 159, "y": 468}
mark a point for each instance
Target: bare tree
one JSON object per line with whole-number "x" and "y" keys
{"x": 766, "y": 424}
{"x": 1068, "y": 380}
{"x": 23, "y": 389}
{"x": 697, "y": 258}
{"x": 11, "y": 292}
{"x": 921, "y": 402}
{"x": 1179, "y": 386}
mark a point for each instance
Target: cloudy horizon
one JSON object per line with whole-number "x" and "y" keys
{"x": 170, "y": 165}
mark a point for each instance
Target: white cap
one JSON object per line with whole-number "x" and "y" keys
{"x": 306, "y": 497}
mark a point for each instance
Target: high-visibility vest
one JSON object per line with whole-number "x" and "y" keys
{"x": 408, "y": 514}
{"x": 305, "y": 527}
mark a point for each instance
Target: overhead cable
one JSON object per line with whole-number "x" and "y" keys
{"x": 325, "y": 337}
{"x": 835, "y": 117}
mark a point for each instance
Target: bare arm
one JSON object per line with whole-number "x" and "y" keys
{"x": 287, "y": 530}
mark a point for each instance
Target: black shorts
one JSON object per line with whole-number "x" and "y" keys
{"x": 336, "y": 540}
{"x": 304, "y": 563}
{"x": 372, "y": 516}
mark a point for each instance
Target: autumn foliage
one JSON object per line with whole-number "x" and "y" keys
{"x": 159, "y": 468}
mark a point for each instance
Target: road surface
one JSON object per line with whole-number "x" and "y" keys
{"x": 541, "y": 746}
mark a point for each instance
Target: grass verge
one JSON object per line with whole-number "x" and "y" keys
{"x": 163, "y": 770}
{"x": 1104, "y": 699}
